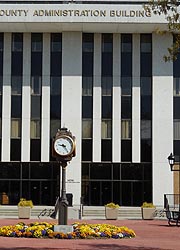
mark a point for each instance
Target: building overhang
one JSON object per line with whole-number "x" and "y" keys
{"x": 96, "y": 18}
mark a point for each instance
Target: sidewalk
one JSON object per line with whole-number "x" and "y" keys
{"x": 150, "y": 235}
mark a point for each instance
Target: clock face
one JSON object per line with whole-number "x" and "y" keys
{"x": 64, "y": 146}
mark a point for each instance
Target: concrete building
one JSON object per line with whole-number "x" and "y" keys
{"x": 95, "y": 67}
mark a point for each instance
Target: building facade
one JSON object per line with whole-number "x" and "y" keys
{"x": 95, "y": 67}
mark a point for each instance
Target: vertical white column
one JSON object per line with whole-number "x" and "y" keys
{"x": 71, "y": 113}
{"x": 97, "y": 99}
{"x": 26, "y": 98}
{"x": 162, "y": 124}
{"x": 136, "y": 97}
{"x": 45, "y": 120}
{"x": 116, "y": 120}
{"x": 6, "y": 98}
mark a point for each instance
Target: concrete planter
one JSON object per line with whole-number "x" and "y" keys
{"x": 24, "y": 212}
{"x": 111, "y": 213}
{"x": 148, "y": 213}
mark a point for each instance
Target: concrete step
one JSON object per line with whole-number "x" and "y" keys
{"x": 98, "y": 212}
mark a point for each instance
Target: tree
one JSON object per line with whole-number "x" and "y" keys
{"x": 171, "y": 10}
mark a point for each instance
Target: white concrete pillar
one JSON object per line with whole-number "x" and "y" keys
{"x": 97, "y": 99}
{"x": 71, "y": 114}
{"x": 162, "y": 124}
{"x": 45, "y": 120}
{"x": 6, "y": 99}
{"x": 136, "y": 98}
{"x": 26, "y": 98}
{"x": 116, "y": 118}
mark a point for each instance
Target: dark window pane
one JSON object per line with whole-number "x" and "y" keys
{"x": 131, "y": 172}
{"x": 36, "y": 64}
{"x": 126, "y": 43}
{"x": 87, "y": 64}
{"x": 15, "y": 149}
{"x": 146, "y": 64}
{"x": 87, "y": 106}
{"x": 126, "y": 85}
{"x": 35, "y": 106}
{"x": 10, "y": 171}
{"x": 55, "y": 64}
{"x": 146, "y": 150}
{"x": 55, "y": 85}
{"x": 146, "y": 43}
{"x": 147, "y": 171}
{"x": 85, "y": 171}
{"x": 106, "y": 106}
{"x": 1, "y": 63}
{"x": 17, "y": 63}
{"x": 126, "y": 150}
{"x": 35, "y": 150}
{"x": 17, "y": 41}
{"x": 146, "y": 86}
{"x": 0, "y": 106}
{"x": 87, "y": 150}
{"x": 55, "y": 108}
{"x": 25, "y": 171}
{"x": 146, "y": 107}
{"x": 177, "y": 147}
{"x": 56, "y": 42}
{"x": 107, "y": 64}
{"x": 107, "y": 43}
{"x": 126, "y": 108}
{"x": 88, "y": 42}
{"x": 16, "y": 106}
{"x": 1, "y": 41}
{"x": 116, "y": 171}
{"x": 126, "y": 188}
{"x": 36, "y": 42}
{"x": 41, "y": 171}
{"x": 176, "y": 66}
{"x": 106, "y": 150}
{"x": 101, "y": 171}
{"x": 176, "y": 107}
{"x": 126, "y": 64}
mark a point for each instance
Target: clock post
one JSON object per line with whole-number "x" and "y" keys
{"x": 63, "y": 149}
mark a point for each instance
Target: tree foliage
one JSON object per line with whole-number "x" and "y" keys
{"x": 171, "y": 10}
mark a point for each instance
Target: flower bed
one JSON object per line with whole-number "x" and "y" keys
{"x": 80, "y": 231}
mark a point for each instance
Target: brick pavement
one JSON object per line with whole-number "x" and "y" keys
{"x": 151, "y": 235}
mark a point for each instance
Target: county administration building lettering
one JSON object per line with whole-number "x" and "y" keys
{"x": 74, "y": 13}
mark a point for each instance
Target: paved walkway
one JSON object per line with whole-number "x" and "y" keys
{"x": 150, "y": 235}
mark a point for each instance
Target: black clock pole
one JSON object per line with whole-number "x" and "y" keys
{"x": 63, "y": 203}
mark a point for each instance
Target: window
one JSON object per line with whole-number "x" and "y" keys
{"x": 86, "y": 128}
{"x": 145, "y": 129}
{"x": 106, "y": 128}
{"x": 88, "y": 42}
{"x": 126, "y": 129}
{"x": 87, "y": 85}
{"x": 55, "y": 125}
{"x": 55, "y": 85}
{"x": 126, "y": 85}
{"x": 146, "y": 43}
{"x": 176, "y": 90}
{"x": 56, "y": 42}
{"x": 146, "y": 86}
{"x": 176, "y": 129}
{"x": 16, "y": 85}
{"x": 36, "y": 85}
{"x": 107, "y": 86}
{"x": 126, "y": 43}
{"x": 36, "y": 42}
{"x": 35, "y": 129}
{"x": 15, "y": 128}
{"x": 17, "y": 42}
